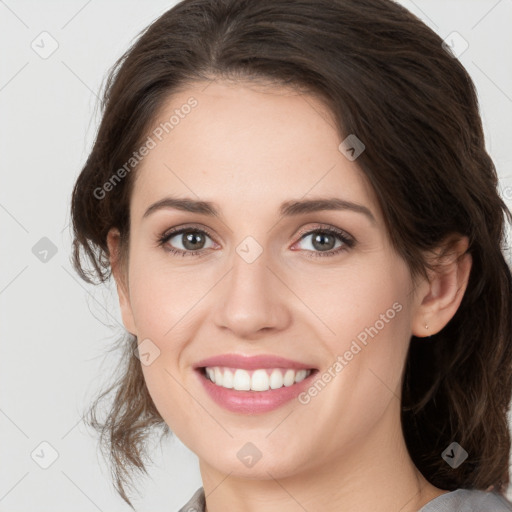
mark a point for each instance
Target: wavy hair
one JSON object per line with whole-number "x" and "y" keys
{"x": 386, "y": 77}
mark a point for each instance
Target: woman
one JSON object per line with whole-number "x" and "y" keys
{"x": 296, "y": 203}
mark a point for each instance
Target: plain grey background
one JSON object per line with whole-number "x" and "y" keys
{"x": 55, "y": 329}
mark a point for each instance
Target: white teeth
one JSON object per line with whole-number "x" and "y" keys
{"x": 228, "y": 379}
{"x": 289, "y": 377}
{"x": 218, "y": 374}
{"x": 257, "y": 380}
{"x": 301, "y": 375}
{"x": 276, "y": 379}
{"x": 241, "y": 382}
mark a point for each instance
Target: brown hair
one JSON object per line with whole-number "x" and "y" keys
{"x": 386, "y": 78}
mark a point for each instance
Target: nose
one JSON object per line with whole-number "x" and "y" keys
{"x": 252, "y": 299}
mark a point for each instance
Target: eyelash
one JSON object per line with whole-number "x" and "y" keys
{"x": 348, "y": 241}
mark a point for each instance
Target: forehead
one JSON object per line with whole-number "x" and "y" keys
{"x": 227, "y": 141}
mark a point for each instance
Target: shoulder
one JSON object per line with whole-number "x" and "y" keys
{"x": 468, "y": 500}
{"x": 196, "y": 503}
{"x": 460, "y": 500}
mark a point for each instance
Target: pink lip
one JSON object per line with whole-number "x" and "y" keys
{"x": 252, "y": 362}
{"x": 252, "y": 402}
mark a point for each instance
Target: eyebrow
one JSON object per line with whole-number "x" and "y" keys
{"x": 287, "y": 208}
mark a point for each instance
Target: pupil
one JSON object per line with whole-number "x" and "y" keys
{"x": 191, "y": 238}
{"x": 319, "y": 241}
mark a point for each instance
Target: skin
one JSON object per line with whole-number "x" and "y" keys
{"x": 248, "y": 148}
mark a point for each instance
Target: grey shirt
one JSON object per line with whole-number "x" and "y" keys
{"x": 460, "y": 500}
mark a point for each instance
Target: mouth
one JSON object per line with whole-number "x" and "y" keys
{"x": 253, "y": 384}
{"x": 257, "y": 380}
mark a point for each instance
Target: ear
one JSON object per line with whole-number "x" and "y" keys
{"x": 439, "y": 297}
{"x": 120, "y": 274}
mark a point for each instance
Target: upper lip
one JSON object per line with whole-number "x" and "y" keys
{"x": 252, "y": 362}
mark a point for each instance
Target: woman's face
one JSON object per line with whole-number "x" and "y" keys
{"x": 264, "y": 282}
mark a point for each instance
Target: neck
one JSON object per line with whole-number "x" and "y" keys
{"x": 374, "y": 473}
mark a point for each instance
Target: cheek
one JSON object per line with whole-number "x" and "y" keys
{"x": 163, "y": 298}
{"x": 367, "y": 296}
{"x": 369, "y": 313}
{"x": 164, "y": 313}
{"x": 371, "y": 321}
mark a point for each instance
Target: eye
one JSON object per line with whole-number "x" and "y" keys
{"x": 190, "y": 239}
{"x": 323, "y": 242}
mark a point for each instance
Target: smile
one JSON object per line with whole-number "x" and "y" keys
{"x": 253, "y": 391}
{"x": 261, "y": 379}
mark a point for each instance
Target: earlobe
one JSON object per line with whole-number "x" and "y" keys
{"x": 440, "y": 296}
{"x": 120, "y": 276}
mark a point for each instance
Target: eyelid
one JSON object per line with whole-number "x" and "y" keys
{"x": 190, "y": 227}
{"x": 303, "y": 231}
{"x": 164, "y": 238}
{"x": 347, "y": 239}
{"x": 325, "y": 227}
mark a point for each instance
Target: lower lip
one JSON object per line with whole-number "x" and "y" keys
{"x": 253, "y": 402}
